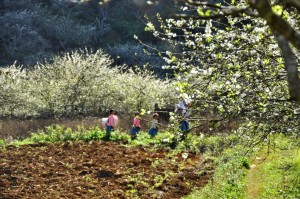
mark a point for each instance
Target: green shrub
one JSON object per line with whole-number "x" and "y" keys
{"x": 2, "y": 143}
{"x": 297, "y": 162}
{"x": 59, "y": 133}
{"x": 228, "y": 181}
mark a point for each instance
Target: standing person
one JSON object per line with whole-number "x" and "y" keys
{"x": 184, "y": 125}
{"x": 136, "y": 127}
{"x": 116, "y": 119}
{"x": 180, "y": 107}
{"x": 154, "y": 126}
{"x": 110, "y": 124}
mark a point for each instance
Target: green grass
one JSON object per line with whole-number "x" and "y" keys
{"x": 229, "y": 177}
{"x": 277, "y": 176}
{"x": 2, "y": 143}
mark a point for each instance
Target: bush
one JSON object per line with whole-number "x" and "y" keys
{"x": 14, "y": 93}
{"x": 80, "y": 83}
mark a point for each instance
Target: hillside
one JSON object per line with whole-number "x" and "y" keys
{"x": 36, "y": 30}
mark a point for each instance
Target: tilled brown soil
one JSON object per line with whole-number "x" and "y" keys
{"x": 98, "y": 170}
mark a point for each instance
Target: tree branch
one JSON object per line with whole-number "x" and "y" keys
{"x": 276, "y": 22}
{"x": 214, "y": 16}
{"x": 264, "y": 11}
{"x": 208, "y": 4}
{"x": 294, "y": 3}
{"x": 222, "y": 14}
{"x": 223, "y": 10}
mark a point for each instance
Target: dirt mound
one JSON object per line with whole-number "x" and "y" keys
{"x": 97, "y": 170}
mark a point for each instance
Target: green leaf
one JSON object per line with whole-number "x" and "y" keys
{"x": 208, "y": 13}
{"x": 200, "y": 12}
{"x": 150, "y": 26}
{"x": 174, "y": 59}
{"x": 277, "y": 9}
{"x": 208, "y": 39}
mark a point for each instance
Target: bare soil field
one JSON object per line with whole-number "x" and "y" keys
{"x": 98, "y": 170}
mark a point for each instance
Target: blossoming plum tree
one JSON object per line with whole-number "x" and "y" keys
{"x": 238, "y": 59}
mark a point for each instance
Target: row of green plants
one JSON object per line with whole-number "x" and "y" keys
{"x": 166, "y": 139}
{"x": 58, "y": 133}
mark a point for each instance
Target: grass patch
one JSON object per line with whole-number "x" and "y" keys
{"x": 265, "y": 176}
{"x": 277, "y": 175}
{"x": 229, "y": 178}
{"x": 2, "y": 143}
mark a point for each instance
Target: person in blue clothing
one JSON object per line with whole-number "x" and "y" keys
{"x": 184, "y": 125}
{"x": 154, "y": 126}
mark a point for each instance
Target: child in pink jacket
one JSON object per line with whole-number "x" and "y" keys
{"x": 110, "y": 124}
{"x": 136, "y": 127}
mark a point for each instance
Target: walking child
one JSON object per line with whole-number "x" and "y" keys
{"x": 110, "y": 124}
{"x": 154, "y": 126}
{"x": 136, "y": 127}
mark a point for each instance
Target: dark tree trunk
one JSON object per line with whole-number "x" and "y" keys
{"x": 291, "y": 67}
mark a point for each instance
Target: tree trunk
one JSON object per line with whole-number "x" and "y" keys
{"x": 291, "y": 67}
{"x": 295, "y": 3}
{"x": 284, "y": 34}
{"x": 275, "y": 22}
